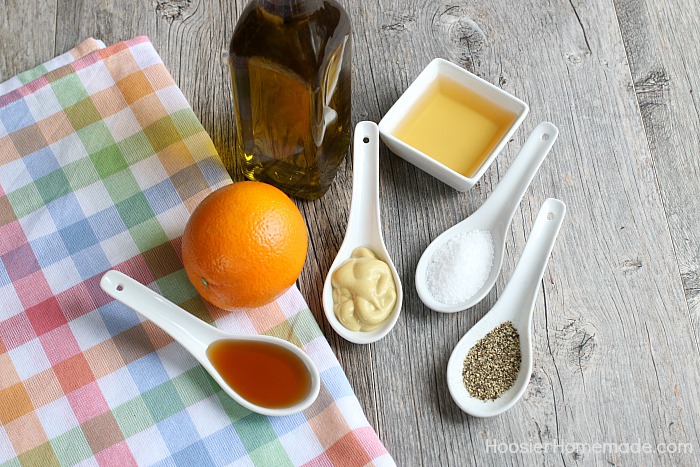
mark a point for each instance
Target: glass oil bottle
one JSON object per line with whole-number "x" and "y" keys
{"x": 290, "y": 63}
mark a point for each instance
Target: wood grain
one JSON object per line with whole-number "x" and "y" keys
{"x": 617, "y": 322}
{"x": 27, "y": 35}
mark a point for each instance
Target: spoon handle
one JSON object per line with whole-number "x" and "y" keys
{"x": 506, "y": 197}
{"x": 194, "y": 334}
{"x": 364, "y": 206}
{"x": 523, "y": 286}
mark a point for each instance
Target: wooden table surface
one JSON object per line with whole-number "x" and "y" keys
{"x": 617, "y": 321}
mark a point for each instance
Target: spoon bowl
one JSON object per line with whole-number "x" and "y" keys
{"x": 494, "y": 216}
{"x": 196, "y": 336}
{"x": 516, "y": 304}
{"x": 363, "y": 230}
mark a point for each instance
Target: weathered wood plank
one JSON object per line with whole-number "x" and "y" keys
{"x": 666, "y": 79}
{"x": 665, "y": 73}
{"x": 27, "y": 35}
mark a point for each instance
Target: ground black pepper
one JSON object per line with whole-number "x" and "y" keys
{"x": 493, "y": 363}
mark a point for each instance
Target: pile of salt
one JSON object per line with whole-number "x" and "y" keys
{"x": 460, "y": 267}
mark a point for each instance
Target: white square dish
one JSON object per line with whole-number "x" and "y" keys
{"x": 440, "y": 69}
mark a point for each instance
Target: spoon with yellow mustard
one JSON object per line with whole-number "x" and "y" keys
{"x": 362, "y": 293}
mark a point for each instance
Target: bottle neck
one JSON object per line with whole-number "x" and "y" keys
{"x": 290, "y": 8}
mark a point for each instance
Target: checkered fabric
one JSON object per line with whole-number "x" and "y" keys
{"x": 101, "y": 162}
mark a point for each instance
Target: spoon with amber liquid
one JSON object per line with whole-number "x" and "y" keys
{"x": 264, "y": 374}
{"x": 516, "y": 304}
{"x": 364, "y": 229}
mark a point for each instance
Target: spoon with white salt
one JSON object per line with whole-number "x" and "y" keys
{"x": 480, "y": 239}
{"x": 515, "y": 305}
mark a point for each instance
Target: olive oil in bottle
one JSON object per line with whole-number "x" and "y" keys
{"x": 290, "y": 66}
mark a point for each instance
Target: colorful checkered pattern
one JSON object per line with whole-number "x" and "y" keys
{"x": 86, "y": 47}
{"x": 101, "y": 162}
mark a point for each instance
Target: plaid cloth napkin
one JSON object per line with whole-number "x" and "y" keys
{"x": 101, "y": 162}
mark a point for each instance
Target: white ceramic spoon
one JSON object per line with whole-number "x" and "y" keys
{"x": 195, "y": 335}
{"x": 364, "y": 229}
{"x": 494, "y": 216}
{"x": 516, "y": 305}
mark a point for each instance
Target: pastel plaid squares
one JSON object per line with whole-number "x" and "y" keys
{"x": 101, "y": 162}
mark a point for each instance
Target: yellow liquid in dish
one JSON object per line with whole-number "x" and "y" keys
{"x": 454, "y": 126}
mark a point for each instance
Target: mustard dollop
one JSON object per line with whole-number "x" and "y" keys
{"x": 364, "y": 292}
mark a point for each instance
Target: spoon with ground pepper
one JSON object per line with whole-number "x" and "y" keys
{"x": 490, "y": 367}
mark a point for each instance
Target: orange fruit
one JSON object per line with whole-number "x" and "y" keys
{"x": 244, "y": 245}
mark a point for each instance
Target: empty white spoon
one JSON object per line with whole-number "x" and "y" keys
{"x": 364, "y": 229}
{"x": 516, "y": 305}
{"x": 493, "y": 216}
{"x": 196, "y": 336}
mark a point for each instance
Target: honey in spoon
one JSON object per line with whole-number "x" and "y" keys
{"x": 262, "y": 373}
